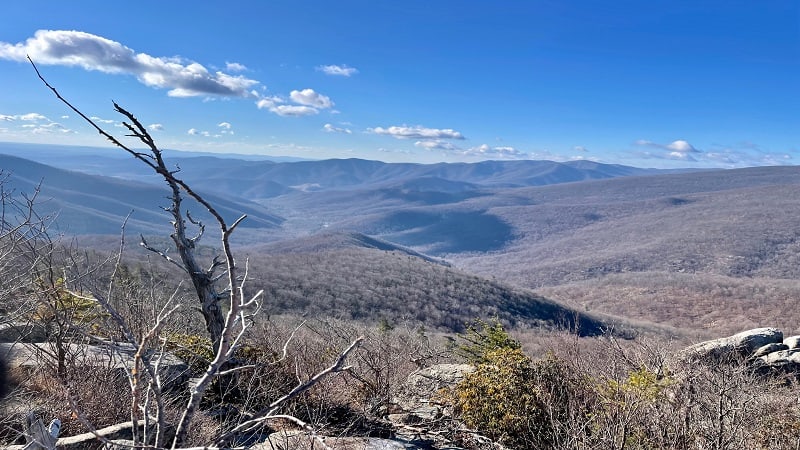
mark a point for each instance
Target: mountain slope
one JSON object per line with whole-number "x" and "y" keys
{"x": 367, "y": 284}
{"x": 88, "y": 204}
{"x": 739, "y": 222}
{"x": 332, "y": 241}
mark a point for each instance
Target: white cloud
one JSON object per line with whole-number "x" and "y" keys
{"x": 679, "y": 150}
{"x": 7, "y": 118}
{"x": 681, "y": 146}
{"x": 33, "y": 117}
{"x": 684, "y": 156}
{"x": 342, "y": 71}
{"x": 193, "y": 132}
{"x": 436, "y": 144}
{"x": 417, "y": 132}
{"x": 580, "y": 148}
{"x": 156, "y": 127}
{"x": 309, "y": 102}
{"x": 294, "y": 110}
{"x": 91, "y": 52}
{"x": 309, "y": 97}
{"x": 269, "y": 102}
{"x": 225, "y": 125}
{"x": 235, "y": 67}
{"x": 332, "y": 129}
{"x": 678, "y": 146}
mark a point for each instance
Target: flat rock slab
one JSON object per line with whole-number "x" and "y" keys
{"x": 302, "y": 440}
{"x": 112, "y": 356}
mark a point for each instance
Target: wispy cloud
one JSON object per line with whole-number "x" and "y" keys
{"x": 294, "y": 110}
{"x": 745, "y": 154}
{"x": 742, "y": 154}
{"x": 101, "y": 120}
{"x": 183, "y": 78}
{"x": 416, "y": 132}
{"x": 235, "y": 67}
{"x": 33, "y": 123}
{"x": 341, "y": 71}
{"x": 502, "y": 152}
{"x": 333, "y": 129}
{"x": 156, "y": 127}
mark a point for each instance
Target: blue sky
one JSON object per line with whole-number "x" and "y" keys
{"x": 656, "y": 83}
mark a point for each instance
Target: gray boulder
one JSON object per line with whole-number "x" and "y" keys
{"x": 792, "y": 342}
{"x": 740, "y": 345}
{"x": 770, "y": 348}
{"x": 22, "y": 332}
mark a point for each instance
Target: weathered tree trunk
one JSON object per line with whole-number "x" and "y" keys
{"x": 203, "y": 282}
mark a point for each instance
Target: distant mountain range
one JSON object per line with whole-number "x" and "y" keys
{"x": 252, "y": 177}
{"x": 580, "y": 231}
{"x": 93, "y": 189}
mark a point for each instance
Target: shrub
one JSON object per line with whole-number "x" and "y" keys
{"x": 483, "y": 337}
{"x": 516, "y": 401}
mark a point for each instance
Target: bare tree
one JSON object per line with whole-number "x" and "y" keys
{"x": 226, "y": 329}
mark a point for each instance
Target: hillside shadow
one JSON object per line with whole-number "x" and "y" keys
{"x": 448, "y": 232}
{"x": 429, "y": 198}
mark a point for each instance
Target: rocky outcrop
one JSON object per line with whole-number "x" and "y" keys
{"x": 419, "y": 419}
{"x": 763, "y": 349}
{"x": 782, "y": 361}
{"x": 740, "y": 345}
